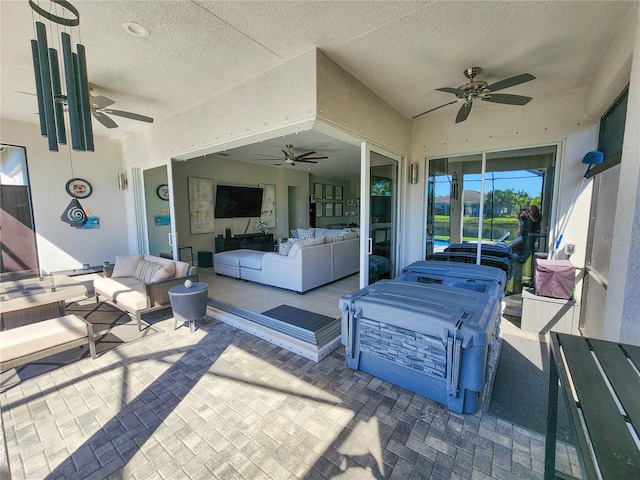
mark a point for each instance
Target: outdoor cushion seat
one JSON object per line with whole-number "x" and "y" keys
{"x": 31, "y": 342}
{"x": 252, "y": 261}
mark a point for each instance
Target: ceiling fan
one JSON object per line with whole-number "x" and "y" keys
{"x": 290, "y": 158}
{"x": 478, "y": 89}
{"x": 99, "y": 108}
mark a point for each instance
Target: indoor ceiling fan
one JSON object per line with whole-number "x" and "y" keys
{"x": 290, "y": 158}
{"x": 478, "y": 89}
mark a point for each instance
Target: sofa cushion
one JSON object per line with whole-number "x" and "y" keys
{"x": 167, "y": 271}
{"x": 126, "y": 291}
{"x": 253, "y": 261}
{"x": 310, "y": 242}
{"x": 333, "y": 238}
{"x": 126, "y": 266}
{"x": 146, "y": 270}
{"x": 350, "y": 235}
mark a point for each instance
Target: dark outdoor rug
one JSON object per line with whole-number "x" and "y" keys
{"x": 520, "y": 389}
{"x": 112, "y": 327}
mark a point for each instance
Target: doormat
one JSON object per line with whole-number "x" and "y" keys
{"x": 111, "y": 327}
{"x": 321, "y": 326}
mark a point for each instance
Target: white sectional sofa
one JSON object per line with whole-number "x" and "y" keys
{"x": 140, "y": 283}
{"x": 309, "y": 263}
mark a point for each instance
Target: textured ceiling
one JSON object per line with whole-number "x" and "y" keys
{"x": 401, "y": 50}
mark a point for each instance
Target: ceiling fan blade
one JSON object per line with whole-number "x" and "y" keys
{"x": 305, "y": 154}
{"x": 506, "y": 98}
{"x": 455, "y": 91}
{"x": 104, "y": 120}
{"x": 132, "y": 116}
{"x": 309, "y": 158}
{"x": 302, "y": 160}
{"x": 511, "y": 82}
{"x": 450, "y": 103}
{"x": 464, "y": 112}
{"x": 102, "y": 102}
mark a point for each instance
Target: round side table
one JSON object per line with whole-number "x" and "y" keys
{"x": 189, "y": 304}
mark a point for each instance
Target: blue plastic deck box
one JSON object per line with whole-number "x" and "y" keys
{"x": 440, "y": 340}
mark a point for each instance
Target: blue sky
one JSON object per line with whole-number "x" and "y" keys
{"x": 516, "y": 180}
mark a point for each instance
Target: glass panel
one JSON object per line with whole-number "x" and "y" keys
{"x": 19, "y": 254}
{"x": 383, "y": 216}
{"x": 440, "y": 190}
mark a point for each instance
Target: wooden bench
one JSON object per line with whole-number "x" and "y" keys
{"x": 32, "y": 342}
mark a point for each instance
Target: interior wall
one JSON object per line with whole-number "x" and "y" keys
{"x": 61, "y": 247}
{"x": 347, "y": 194}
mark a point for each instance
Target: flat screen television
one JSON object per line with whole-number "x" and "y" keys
{"x": 235, "y": 202}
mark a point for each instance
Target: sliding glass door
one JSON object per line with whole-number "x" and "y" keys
{"x": 380, "y": 193}
{"x": 483, "y": 197}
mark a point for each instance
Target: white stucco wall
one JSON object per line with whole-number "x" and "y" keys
{"x": 623, "y": 302}
{"x": 61, "y": 247}
{"x": 346, "y": 103}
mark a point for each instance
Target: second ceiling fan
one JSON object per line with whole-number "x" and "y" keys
{"x": 479, "y": 90}
{"x": 290, "y": 158}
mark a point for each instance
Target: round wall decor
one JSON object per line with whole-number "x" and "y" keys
{"x": 78, "y": 188}
{"x": 163, "y": 191}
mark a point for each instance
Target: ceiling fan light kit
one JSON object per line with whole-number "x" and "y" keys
{"x": 475, "y": 90}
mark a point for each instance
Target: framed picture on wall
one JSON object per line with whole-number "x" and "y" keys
{"x": 328, "y": 209}
{"x": 319, "y": 209}
{"x": 338, "y": 210}
{"x": 338, "y": 193}
{"x": 328, "y": 192}
{"x": 317, "y": 190}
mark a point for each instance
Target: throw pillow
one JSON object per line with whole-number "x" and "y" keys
{"x": 285, "y": 248}
{"x": 294, "y": 233}
{"x": 305, "y": 233}
{"x": 167, "y": 271}
{"x": 146, "y": 270}
{"x": 125, "y": 266}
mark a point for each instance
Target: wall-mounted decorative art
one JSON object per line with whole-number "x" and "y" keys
{"x": 268, "y": 212}
{"x": 78, "y": 188}
{"x": 201, "y": 201}
{"x": 163, "y": 191}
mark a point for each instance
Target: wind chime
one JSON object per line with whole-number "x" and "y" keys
{"x": 52, "y": 100}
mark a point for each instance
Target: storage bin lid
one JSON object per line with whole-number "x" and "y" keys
{"x": 434, "y": 310}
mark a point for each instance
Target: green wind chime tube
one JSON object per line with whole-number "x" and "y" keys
{"x": 78, "y": 102}
{"x": 36, "y": 71}
{"x": 72, "y": 94}
{"x": 85, "y": 102}
{"x": 45, "y": 78}
{"x": 58, "y": 100}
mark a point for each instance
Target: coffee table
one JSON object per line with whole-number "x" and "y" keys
{"x": 32, "y": 300}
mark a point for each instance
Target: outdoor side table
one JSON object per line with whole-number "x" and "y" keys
{"x": 189, "y": 303}
{"x": 604, "y": 413}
